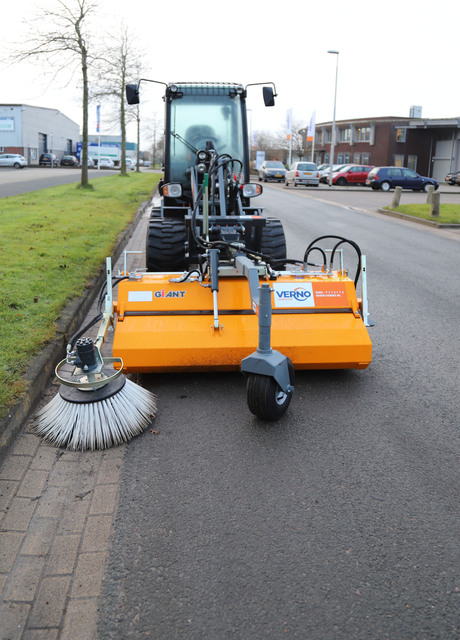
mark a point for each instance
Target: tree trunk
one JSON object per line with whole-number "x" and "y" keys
{"x": 84, "y": 136}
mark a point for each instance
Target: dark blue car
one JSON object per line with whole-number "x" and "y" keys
{"x": 386, "y": 178}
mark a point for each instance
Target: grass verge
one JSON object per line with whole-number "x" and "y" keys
{"x": 52, "y": 243}
{"x": 449, "y": 213}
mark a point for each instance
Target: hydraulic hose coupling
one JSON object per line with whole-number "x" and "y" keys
{"x": 86, "y": 354}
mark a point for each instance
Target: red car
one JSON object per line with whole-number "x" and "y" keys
{"x": 351, "y": 174}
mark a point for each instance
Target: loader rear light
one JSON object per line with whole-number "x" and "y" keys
{"x": 172, "y": 190}
{"x": 251, "y": 190}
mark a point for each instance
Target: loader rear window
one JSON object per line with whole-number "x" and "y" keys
{"x": 198, "y": 119}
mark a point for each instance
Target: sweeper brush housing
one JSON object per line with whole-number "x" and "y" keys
{"x": 167, "y": 326}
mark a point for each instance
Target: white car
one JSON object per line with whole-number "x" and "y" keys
{"x": 106, "y": 163}
{"x": 130, "y": 164}
{"x": 302, "y": 173}
{"x": 12, "y": 160}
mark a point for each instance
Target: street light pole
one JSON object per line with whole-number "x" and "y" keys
{"x": 331, "y": 159}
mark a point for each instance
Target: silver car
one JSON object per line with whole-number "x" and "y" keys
{"x": 272, "y": 170}
{"x": 302, "y": 173}
{"x": 12, "y": 160}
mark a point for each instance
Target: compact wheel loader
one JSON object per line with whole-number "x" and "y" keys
{"x": 218, "y": 293}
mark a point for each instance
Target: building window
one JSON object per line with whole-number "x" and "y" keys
{"x": 346, "y": 158}
{"x": 412, "y": 162}
{"x": 399, "y": 161}
{"x": 364, "y": 134}
{"x": 357, "y": 158}
{"x": 326, "y": 136}
{"x": 345, "y": 135}
{"x": 366, "y": 158}
{"x": 401, "y": 135}
{"x": 340, "y": 158}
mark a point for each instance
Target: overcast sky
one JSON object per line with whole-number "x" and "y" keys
{"x": 393, "y": 55}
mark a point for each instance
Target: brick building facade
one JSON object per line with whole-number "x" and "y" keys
{"x": 374, "y": 141}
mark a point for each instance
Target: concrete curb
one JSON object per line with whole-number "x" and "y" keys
{"x": 41, "y": 368}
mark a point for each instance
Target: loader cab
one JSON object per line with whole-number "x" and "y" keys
{"x": 203, "y": 116}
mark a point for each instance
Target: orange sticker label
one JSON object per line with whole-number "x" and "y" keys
{"x": 330, "y": 295}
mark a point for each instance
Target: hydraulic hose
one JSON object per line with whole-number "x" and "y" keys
{"x": 96, "y": 318}
{"x": 341, "y": 240}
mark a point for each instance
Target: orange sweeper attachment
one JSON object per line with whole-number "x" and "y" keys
{"x": 218, "y": 292}
{"x": 174, "y": 322}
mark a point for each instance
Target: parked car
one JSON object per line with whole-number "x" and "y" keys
{"x": 351, "y": 174}
{"x": 322, "y": 167}
{"x": 69, "y": 161}
{"x": 272, "y": 170}
{"x": 130, "y": 164}
{"x": 302, "y": 173}
{"x": 453, "y": 178}
{"x": 12, "y": 160}
{"x": 48, "y": 160}
{"x": 324, "y": 173}
{"x": 91, "y": 163}
{"x": 386, "y": 178}
{"x": 106, "y": 163}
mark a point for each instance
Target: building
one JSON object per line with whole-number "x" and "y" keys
{"x": 430, "y": 147}
{"x": 442, "y": 139}
{"x": 131, "y": 147}
{"x": 32, "y": 131}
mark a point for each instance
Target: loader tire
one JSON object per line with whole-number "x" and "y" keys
{"x": 265, "y": 398}
{"x": 165, "y": 247}
{"x": 273, "y": 242}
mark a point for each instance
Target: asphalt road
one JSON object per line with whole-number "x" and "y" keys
{"x": 338, "y": 522}
{"x": 13, "y": 182}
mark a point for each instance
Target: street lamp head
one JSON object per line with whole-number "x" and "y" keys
{"x": 333, "y": 51}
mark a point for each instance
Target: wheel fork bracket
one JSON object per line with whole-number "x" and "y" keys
{"x": 265, "y": 360}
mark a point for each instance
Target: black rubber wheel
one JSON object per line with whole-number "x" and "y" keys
{"x": 265, "y": 398}
{"x": 273, "y": 242}
{"x": 165, "y": 250}
{"x": 342, "y": 182}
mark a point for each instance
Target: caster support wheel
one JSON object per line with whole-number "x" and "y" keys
{"x": 265, "y": 398}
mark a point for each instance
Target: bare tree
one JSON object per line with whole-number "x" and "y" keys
{"x": 153, "y": 130}
{"x": 60, "y": 35}
{"x": 115, "y": 69}
{"x": 265, "y": 140}
{"x": 281, "y": 140}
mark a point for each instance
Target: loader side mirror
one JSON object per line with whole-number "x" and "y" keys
{"x": 269, "y": 96}
{"x": 132, "y": 93}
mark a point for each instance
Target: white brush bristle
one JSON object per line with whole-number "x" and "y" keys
{"x": 97, "y": 425}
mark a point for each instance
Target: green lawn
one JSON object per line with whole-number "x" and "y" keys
{"x": 52, "y": 243}
{"x": 449, "y": 213}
